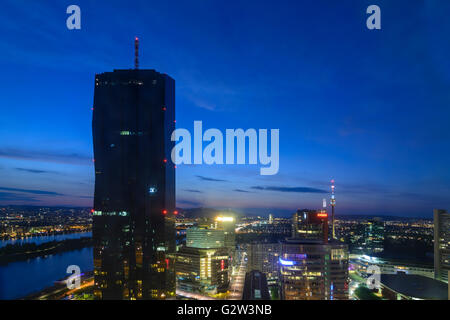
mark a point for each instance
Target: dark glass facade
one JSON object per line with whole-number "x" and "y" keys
{"x": 441, "y": 245}
{"x": 310, "y": 225}
{"x": 134, "y": 202}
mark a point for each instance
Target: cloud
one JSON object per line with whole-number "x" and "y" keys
{"x": 193, "y": 190}
{"x": 210, "y": 179}
{"x": 188, "y": 202}
{"x": 49, "y": 156}
{"x": 291, "y": 189}
{"x": 10, "y": 196}
{"x": 240, "y": 190}
{"x": 42, "y": 192}
{"x": 34, "y": 170}
{"x": 203, "y": 104}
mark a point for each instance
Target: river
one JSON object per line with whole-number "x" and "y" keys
{"x": 19, "y": 279}
{"x": 43, "y": 239}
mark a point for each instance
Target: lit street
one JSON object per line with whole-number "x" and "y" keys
{"x": 237, "y": 280}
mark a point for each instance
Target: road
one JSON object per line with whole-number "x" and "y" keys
{"x": 192, "y": 295}
{"x": 237, "y": 280}
{"x": 59, "y": 291}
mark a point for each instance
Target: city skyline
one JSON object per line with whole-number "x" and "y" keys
{"x": 366, "y": 109}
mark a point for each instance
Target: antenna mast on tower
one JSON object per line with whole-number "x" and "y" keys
{"x": 136, "y": 53}
{"x": 333, "y": 204}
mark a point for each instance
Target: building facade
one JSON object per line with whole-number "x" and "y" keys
{"x": 264, "y": 257}
{"x": 441, "y": 244}
{"x": 134, "y": 201}
{"x": 374, "y": 237}
{"x": 206, "y": 238}
{"x": 313, "y": 271}
{"x": 228, "y": 225}
{"x": 202, "y": 270}
{"x": 310, "y": 225}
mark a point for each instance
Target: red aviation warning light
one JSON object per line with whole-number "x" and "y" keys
{"x": 164, "y": 211}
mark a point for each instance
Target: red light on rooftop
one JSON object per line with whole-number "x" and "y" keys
{"x": 92, "y": 210}
{"x": 165, "y": 160}
{"x": 175, "y": 212}
{"x": 164, "y": 211}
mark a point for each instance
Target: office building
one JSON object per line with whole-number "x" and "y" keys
{"x": 313, "y": 271}
{"x": 441, "y": 244}
{"x": 205, "y": 238}
{"x": 310, "y": 225}
{"x": 134, "y": 201}
{"x": 374, "y": 237}
{"x": 202, "y": 270}
{"x": 228, "y": 225}
{"x": 311, "y": 267}
{"x": 264, "y": 257}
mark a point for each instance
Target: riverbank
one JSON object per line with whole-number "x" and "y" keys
{"x": 59, "y": 290}
{"x": 20, "y": 252}
{"x": 44, "y": 234}
{"x": 22, "y": 278}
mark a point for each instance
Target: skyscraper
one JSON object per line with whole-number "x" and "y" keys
{"x": 374, "y": 236}
{"x": 310, "y": 225}
{"x": 311, "y": 267}
{"x": 264, "y": 257}
{"x": 313, "y": 271}
{"x": 228, "y": 225}
{"x": 441, "y": 244}
{"x": 134, "y": 201}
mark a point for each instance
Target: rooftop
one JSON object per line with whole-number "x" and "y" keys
{"x": 416, "y": 286}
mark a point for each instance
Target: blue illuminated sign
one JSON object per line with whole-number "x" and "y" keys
{"x": 286, "y": 262}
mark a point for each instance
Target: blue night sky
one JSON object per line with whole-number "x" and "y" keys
{"x": 367, "y": 108}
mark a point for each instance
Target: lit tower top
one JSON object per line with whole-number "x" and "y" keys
{"x": 136, "y": 53}
{"x": 333, "y": 204}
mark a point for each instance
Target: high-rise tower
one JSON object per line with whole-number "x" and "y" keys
{"x": 333, "y": 204}
{"x": 310, "y": 266}
{"x": 134, "y": 201}
{"x": 441, "y": 244}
